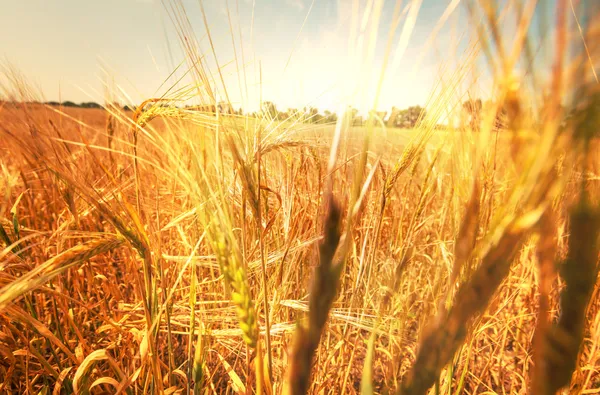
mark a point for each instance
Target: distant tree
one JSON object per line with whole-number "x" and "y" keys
{"x": 53, "y": 103}
{"x": 269, "y": 109}
{"x": 297, "y": 114}
{"x": 311, "y": 115}
{"x": 90, "y": 105}
{"x": 329, "y": 117}
{"x": 208, "y": 108}
{"x": 69, "y": 104}
{"x": 409, "y": 117}
{"x": 282, "y": 116}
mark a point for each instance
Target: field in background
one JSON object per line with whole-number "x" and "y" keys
{"x": 95, "y": 307}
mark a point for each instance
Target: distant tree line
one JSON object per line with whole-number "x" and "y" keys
{"x": 90, "y": 104}
{"x": 307, "y": 114}
{"x": 398, "y": 118}
{"x": 223, "y": 107}
{"x": 406, "y": 118}
{"x": 471, "y": 114}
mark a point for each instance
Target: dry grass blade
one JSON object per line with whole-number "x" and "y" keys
{"x": 237, "y": 385}
{"x": 17, "y": 314}
{"x": 82, "y": 374}
{"x": 54, "y": 266}
{"x": 59, "y": 383}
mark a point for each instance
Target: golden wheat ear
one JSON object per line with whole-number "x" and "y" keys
{"x": 323, "y": 292}
{"x": 559, "y": 344}
{"x": 562, "y": 341}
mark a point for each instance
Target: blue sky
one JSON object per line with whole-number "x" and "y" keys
{"x": 65, "y": 48}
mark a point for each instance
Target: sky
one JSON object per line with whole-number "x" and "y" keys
{"x": 295, "y": 53}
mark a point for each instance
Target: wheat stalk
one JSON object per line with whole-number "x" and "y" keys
{"x": 307, "y": 336}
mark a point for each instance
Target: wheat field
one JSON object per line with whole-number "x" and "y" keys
{"x": 168, "y": 250}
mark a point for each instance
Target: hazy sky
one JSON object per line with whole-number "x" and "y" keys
{"x": 66, "y": 46}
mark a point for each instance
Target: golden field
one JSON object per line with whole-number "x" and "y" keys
{"x": 175, "y": 251}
